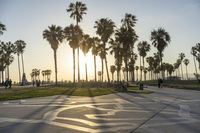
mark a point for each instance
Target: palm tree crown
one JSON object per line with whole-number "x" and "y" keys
{"x": 73, "y": 34}
{"x": 105, "y": 28}
{"x": 54, "y": 35}
{"x": 77, "y": 11}
{"x": 2, "y": 28}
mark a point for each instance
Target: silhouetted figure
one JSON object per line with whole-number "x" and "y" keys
{"x": 33, "y": 83}
{"x": 38, "y": 83}
{"x": 141, "y": 86}
{"x": 6, "y": 83}
{"x": 160, "y": 81}
{"x": 10, "y": 83}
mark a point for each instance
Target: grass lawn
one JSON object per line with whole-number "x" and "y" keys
{"x": 179, "y": 84}
{"x": 22, "y": 93}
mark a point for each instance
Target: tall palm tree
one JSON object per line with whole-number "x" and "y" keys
{"x": 105, "y": 28}
{"x": 181, "y": 57}
{"x": 186, "y": 62}
{"x": 197, "y": 49}
{"x": 143, "y": 48}
{"x": 73, "y": 34}
{"x": 194, "y": 54}
{"x": 77, "y": 10}
{"x": 19, "y": 50}
{"x": 54, "y": 35}
{"x": 102, "y": 53}
{"x": 117, "y": 51}
{"x": 10, "y": 50}
{"x": 20, "y": 46}
{"x": 127, "y": 37}
{"x": 95, "y": 44}
{"x": 112, "y": 70}
{"x": 160, "y": 39}
{"x": 85, "y": 45}
{"x": 2, "y": 28}
{"x": 2, "y": 59}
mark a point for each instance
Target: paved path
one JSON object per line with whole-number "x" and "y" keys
{"x": 165, "y": 111}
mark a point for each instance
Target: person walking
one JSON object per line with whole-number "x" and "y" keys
{"x": 10, "y": 83}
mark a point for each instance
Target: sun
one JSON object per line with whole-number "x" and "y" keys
{"x": 89, "y": 59}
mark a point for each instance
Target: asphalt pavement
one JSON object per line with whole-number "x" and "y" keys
{"x": 164, "y": 111}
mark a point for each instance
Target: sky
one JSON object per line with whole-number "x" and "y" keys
{"x": 27, "y": 19}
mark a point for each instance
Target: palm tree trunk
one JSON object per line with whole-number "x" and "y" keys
{"x": 78, "y": 57}
{"x": 55, "y": 61}
{"x": 2, "y": 76}
{"x": 117, "y": 76}
{"x": 144, "y": 68}
{"x": 133, "y": 76}
{"x": 95, "y": 76}
{"x": 140, "y": 69}
{"x": 8, "y": 74}
{"x": 195, "y": 65}
{"x": 74, "y": 68}
{"x": 186, "y": 72}
{"x": 107, "y": 69}
{"x": 22, "y": 63}
{"x": 137, "y": 74}
{"x": 112, "y": 77}
{"x": 78, "y": 64}
{"x": 86, "y": 76}
{"x": 161, "y": 64}
{"x": 101, "y": 69}
{"x": 181, "y": 70}
{"x": 19, "y": 70}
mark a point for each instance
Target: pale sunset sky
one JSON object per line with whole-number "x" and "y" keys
{"x": 27, "y": 19}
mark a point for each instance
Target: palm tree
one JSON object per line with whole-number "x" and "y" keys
{"x": 73, "y": 34}
{"x": 2, "y": 59}
{"x": 54, "y": 35}
{"x": 85, "y": 45}
{"x": 117, "y": 51}
{"x": 132, "y": 65}
{"x": 150, "y": 61}
{"x": 160, "y": 39}
{"x": 10, "y": 50}
{"x": 186, "y": 62}
{"x": 112, "y": 70}
{"x": 102, "y": 54}
{"x": 77, "y": 10}
{"x": 20, "y": 46}
{"x": 181, "y": 57}
{"x": 143, "y": 48}
{"x": 194, "y": 54}
{"x": 197, "y": 49}
{"x": 18, "y": 51}
{"x": 2, "y": 28}
{"x": 105, "y": 28}
{"x": 95, "y": 44}
{"x": 178, "y": 62}
{"x": 126, "y": 36}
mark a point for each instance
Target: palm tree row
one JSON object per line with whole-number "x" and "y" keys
{"x": 120, "y": 43}
{"x": 7, "y": 50}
